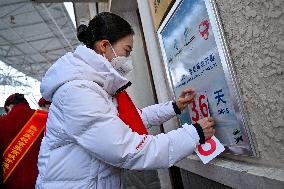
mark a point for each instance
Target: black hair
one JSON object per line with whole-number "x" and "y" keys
{"x": 15, "y": 99}
{"x": 104, "y": 25}
{"x": 45, "y": 103}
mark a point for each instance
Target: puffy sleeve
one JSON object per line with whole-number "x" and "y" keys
{"x": 157, "y": 114}
{"x": 92, "y": 125}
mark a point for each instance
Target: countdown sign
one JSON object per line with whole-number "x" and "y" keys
{"x": 195, "y": 55}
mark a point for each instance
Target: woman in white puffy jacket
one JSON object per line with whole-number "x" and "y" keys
{"x": 93, "y": 129}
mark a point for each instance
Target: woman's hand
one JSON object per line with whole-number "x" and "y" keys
{"x": 185, "y": 98}
{"x": 207, "y": 127}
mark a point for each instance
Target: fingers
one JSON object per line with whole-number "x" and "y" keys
{"x": 208, "y": 133}
{"x": 210, "y": 119}
{"x": 210, "y": 122}
{"x": 186, "y": 99}
{"x": 187, "y": 91}
{"x": 207, "y": 124}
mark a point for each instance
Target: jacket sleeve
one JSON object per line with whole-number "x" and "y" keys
{"x": 90, "y": 122}
{"x": 157, "y": 114}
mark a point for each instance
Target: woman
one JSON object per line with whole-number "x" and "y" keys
{"x": 93, "y": 128}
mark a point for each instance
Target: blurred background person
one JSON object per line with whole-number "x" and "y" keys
{"x": 21, "y": 131}
{"x": 44, "y": 104}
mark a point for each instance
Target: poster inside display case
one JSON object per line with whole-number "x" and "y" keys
{"x": 195, "y": 55}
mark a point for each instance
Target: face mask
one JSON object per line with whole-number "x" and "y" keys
{"x": 123, "y": 65}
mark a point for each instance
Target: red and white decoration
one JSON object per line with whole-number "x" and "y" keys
{"x": 208, "y": 151}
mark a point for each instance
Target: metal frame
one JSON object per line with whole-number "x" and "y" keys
{"x": 247, "y": 148}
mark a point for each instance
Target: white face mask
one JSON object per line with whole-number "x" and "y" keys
{"x": 123, "y": 65}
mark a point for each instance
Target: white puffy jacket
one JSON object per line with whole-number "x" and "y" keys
{"x": 86, "y": 143}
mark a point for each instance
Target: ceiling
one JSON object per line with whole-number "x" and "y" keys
{"x": 34, "y": 35}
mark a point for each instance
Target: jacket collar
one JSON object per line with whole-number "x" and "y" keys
{"x": 110, "y": 79}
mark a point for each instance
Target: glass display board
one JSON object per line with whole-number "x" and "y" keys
{"x": 195, "y": 55}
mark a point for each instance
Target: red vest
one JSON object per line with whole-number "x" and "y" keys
{"x": 25, "y": 174}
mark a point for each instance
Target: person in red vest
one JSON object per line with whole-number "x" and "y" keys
{"x": 21, "y": 131}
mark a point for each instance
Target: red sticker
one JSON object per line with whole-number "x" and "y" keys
{"x": 207, "y": 152}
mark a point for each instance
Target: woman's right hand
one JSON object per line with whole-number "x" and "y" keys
{"x": 207, "y": 124}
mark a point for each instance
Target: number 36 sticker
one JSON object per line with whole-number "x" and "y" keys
{"x": 199, "y": 108}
